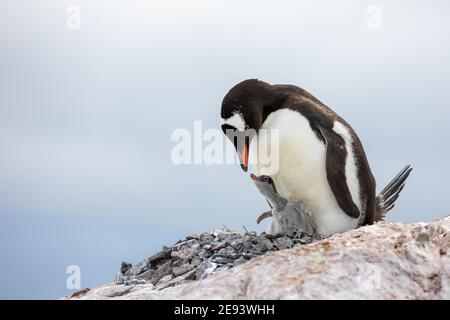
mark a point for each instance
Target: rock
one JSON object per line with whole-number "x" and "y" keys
{"x": 218, "y": 245}
{"x": 80, "y": 293}
{"x": 133, "y": 281}
{"x": 260, "y": 248}
{"x": 221, "y": 260}
{"x": 185, "y": 278}
{"x": 217, "y": 251}
{"x": 163, "y": 270}
{"x": 196, "y": 261}
{"x": 164, "y": 254}
{"x": 118, "y": 291}
{"x": 205, "y": 269}
{"x": 165, "y": 279}
{"x": 240, "y": 261}
{"x": 177, "y": 263}
{"x": 125, "y": 267}
{"x": 147, "y": 275}
{"x": 204, "y": 254}
{"x": 283, "y": 243}
{"x": 249, "y": 255}
{"x": 206, "y": 238}
{"x": 193, "y": 236}
{"x": 190, "y": 275}
{"x": 178, "y": 271}
{"x": 381, "y": 261}
{"x": 266, "y": 242}
{"x": 237, "y": 244}
{"x": 186, "y": 251}
{"x": 247, "y": 244}
{"x": 290, "y": 233}
{"x": 227, "y": 252}
{"x": 139, "y": 268}
{"x": 167, "y": 284}
{"x": 222, "y": 234}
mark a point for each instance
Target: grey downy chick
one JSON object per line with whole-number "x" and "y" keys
{"x": 287, "y": 215}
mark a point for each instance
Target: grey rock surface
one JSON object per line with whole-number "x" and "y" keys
{"x": 203, "y": 254}
{"x": 381, "y": 261}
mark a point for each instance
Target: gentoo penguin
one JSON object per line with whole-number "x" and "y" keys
{"x": 321, "y": 160}
{"x": 287, "y": 215}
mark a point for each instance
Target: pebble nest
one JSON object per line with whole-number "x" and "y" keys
{"x": 199, "y": 256}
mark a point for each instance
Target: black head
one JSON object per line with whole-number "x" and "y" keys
{"x": 242, "y": 114}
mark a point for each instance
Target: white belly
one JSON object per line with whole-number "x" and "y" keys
{"x": 302, "y": 175}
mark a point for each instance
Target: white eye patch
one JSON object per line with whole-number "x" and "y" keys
{"x": 236, "y": 120}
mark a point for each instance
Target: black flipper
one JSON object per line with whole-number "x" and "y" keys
{"x": 335, "y": 165}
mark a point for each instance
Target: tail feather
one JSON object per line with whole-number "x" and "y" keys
{"x": 386, "y": 198}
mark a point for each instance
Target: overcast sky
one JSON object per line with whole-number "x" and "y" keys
{"x": 86, "y": 117}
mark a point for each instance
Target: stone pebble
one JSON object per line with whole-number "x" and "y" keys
{"x": 198, "y": 256}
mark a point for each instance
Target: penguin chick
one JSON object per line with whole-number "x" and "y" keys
{"x": 287, "y": 215}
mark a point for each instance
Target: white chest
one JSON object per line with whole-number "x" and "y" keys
{"x": 301, "y": 174}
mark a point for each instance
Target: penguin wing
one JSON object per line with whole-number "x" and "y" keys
{"x": 264, "y": 215}
{"x": 336, "y": 156}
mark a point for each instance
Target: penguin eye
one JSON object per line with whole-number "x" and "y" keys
{"x": 265, "y": 179}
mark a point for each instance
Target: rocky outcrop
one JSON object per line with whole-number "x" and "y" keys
{"x": 197, "y": 257}
{"x": 382, "y": 261}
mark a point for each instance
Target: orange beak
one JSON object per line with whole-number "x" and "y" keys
{"x": 243, "y": 153}
{"x": 244, "y": 158}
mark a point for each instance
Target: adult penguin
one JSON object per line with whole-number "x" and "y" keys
{"x": 322, "y": 162}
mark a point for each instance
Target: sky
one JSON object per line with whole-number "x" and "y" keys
{"x": 87, "y": 112}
